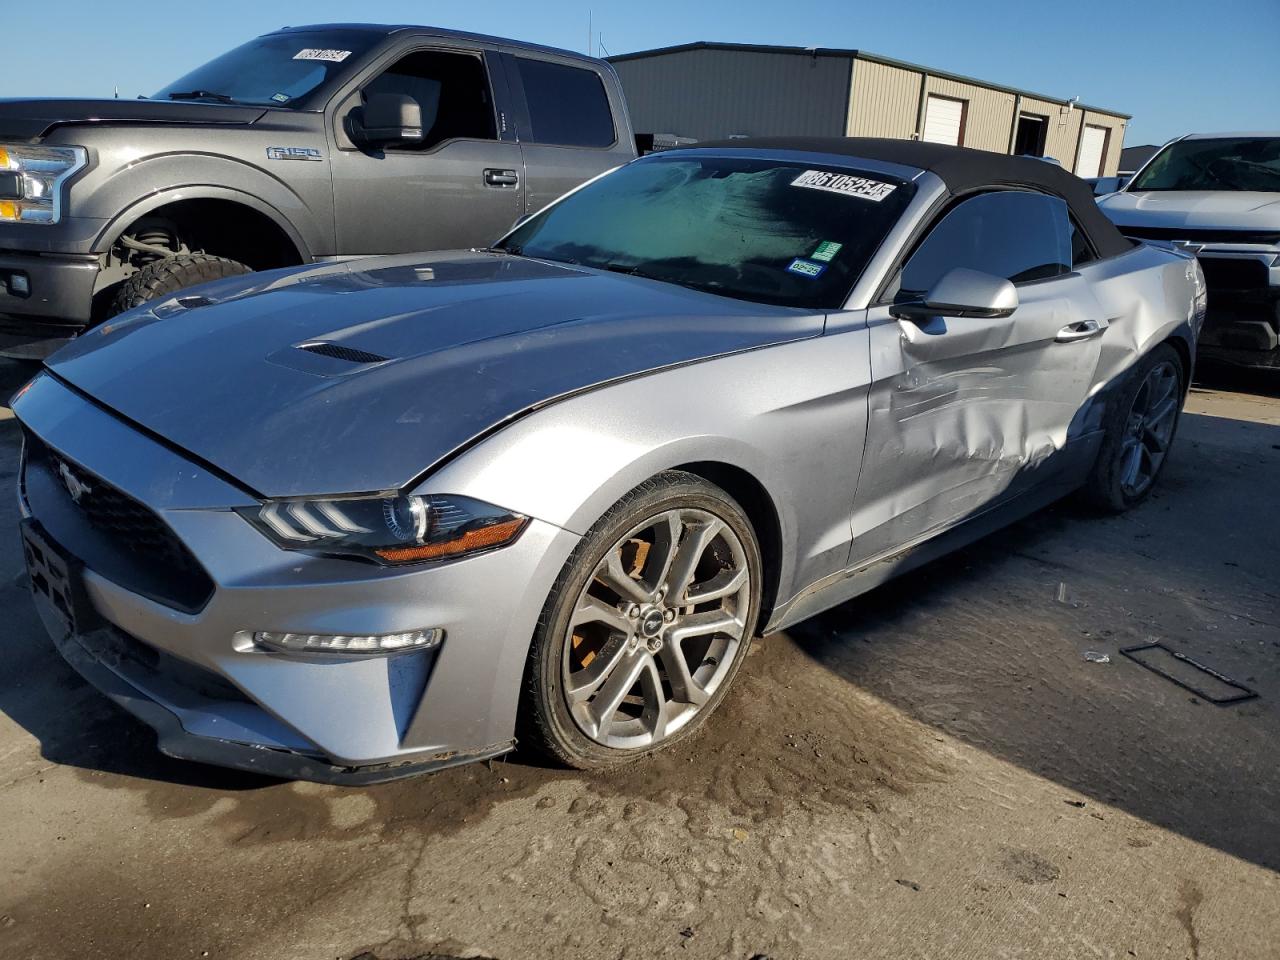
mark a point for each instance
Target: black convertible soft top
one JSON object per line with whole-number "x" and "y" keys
{"x": 962, "y": 170}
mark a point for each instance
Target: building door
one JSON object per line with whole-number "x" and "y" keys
{"x": 1093, "y": 150}
{"x": 1032, "y": 132}
{"x": 943, "y": 120}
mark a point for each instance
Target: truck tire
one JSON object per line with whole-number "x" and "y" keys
{"x": 163, "y": 277}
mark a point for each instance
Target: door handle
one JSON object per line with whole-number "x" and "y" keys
{"x": 501, "y": 178}
{"x": 1081, "y": 330}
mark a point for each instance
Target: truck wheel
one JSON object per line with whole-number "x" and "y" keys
{"x": 1139, "y": 432}
{"x": 163, "y": 277}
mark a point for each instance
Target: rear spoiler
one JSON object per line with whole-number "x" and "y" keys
{"x": 655, "y": 142}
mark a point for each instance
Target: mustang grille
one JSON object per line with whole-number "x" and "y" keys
{"x": 154, "y": 561}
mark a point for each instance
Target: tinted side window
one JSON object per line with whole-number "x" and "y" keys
{"x": 1015, "y": 235}
{"x": 451, "y": 88}
{"x": 567, "y": 105}
{"x": 1081, "y": 249}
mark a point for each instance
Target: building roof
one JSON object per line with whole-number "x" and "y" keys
{"x": 855, "y": 55}
{"x": 962, "y": 170}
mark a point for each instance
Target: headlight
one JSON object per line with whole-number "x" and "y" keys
{"x": 388, "y": 530}
{"x": 31, "y": 179}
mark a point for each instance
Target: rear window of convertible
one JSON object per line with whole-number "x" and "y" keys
{"x": 778, "y": 232}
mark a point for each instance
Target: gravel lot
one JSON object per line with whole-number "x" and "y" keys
{"x": 935, "y": 770}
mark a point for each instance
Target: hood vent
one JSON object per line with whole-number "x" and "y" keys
{"x": 338, "y": 352}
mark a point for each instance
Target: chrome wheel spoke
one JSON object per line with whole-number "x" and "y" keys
{"x": 594, "y": 610}
{"x": 584, "y": 683}
{"x": 700, "y": 624}
{"x": 1131, "y": 457}
{"x": 666, "y": 543}
{"x": 683, "y": 686}
{"x": 657, "y": 709}
{"x": 697, "y": 538}
{"x": 614, "y": 576}
{"x": 615, "y": 689}
{"x": 723, "y": 584}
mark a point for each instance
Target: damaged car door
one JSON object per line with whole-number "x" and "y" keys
{"x": 970, "y": 404}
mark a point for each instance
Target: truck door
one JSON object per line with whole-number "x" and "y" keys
{"x": 460, "y": 187}
{"x": 572, "y": 124}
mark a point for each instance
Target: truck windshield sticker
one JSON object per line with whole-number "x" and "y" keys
{"x": 807, "y": 268}
{"x": 826, "y": 251}
{"x": 845, "y": 184}
{"x": 333, "y": 56}
{"x": 280, "y": 97}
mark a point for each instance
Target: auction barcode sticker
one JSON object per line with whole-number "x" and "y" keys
{"x": 333, "y": 56}
{"x": 844, "y": 183}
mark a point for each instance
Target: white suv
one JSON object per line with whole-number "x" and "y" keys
{"x": 1217, "y": 195}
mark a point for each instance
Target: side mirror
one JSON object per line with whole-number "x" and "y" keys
{"x": 961, "y": 293}
{"x": 1105, "y": 185}
{"x": 387, "y": 118}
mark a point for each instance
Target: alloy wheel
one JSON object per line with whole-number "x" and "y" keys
{"x": 656, "y": 629}
{"x": 1149, "y": 429}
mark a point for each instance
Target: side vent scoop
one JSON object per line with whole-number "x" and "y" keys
{"x": 338, "y": 352}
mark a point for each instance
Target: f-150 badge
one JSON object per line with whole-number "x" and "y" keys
{"x": 293, "y": 153}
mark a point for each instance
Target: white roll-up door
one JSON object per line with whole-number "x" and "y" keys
{"x": 1093, "y": 146}
{"x": 943, "y": 119}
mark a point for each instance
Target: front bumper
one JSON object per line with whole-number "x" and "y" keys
{"x": 187, "y": 672}
{"x": 56, "y": 306}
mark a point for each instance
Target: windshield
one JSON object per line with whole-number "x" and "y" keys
{"x": 276, "y": 70}
{"x": 770, "y": 231}
{"x": 1226, "y": 163}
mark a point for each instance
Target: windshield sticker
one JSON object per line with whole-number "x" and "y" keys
{"x": 826, "y": 251}
{"x": 280, "y": 97}
{"x": 333, "y": 56}
{"x": 845, "y": 184}
{"x": 807, "y": 268}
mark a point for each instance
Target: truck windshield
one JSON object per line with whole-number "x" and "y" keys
{"x": 1220, "y": 163}
{"x": 769, "y": 231}
{"x": 279, "y": 69}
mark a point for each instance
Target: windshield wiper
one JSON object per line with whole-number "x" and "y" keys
{"x": 202, "y": 95}
{"x": 632, "y": 271}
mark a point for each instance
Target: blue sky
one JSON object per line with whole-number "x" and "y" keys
{"x": 1176, "y": 65}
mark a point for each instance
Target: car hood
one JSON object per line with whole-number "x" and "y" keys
{"x": 1200, "y": 209}
{"x": 358, "y": 377}
{"x": 35, "y": 118}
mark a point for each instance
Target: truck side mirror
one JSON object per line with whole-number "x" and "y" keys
{"x": 387, "y": 118}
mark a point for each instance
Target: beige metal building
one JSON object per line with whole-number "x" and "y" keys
{"x": 718, "y": 90}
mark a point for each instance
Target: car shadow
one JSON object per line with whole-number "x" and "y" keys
{"x": 988, "y": 644}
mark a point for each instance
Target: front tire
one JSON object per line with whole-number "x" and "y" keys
{"x": 646, "y": 626}
{"x": 1139, "y": 432}
{"x": 163, "y": 277}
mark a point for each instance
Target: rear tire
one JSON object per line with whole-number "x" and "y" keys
{"x": 163, "y": 277}
{"x": 629, "y": 656}
{"x": 1139, "y": 432}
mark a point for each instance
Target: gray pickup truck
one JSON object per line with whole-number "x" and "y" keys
{"x": 306, "y": 144}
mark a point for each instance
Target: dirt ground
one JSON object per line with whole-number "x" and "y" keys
{"x": 934, "y": 770}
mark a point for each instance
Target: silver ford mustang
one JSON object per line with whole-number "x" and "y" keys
{"x": 353, "y": 521}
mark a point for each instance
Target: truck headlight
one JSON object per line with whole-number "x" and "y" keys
{"x": 390, "y": 530}
{"x": 31, "y": 179}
